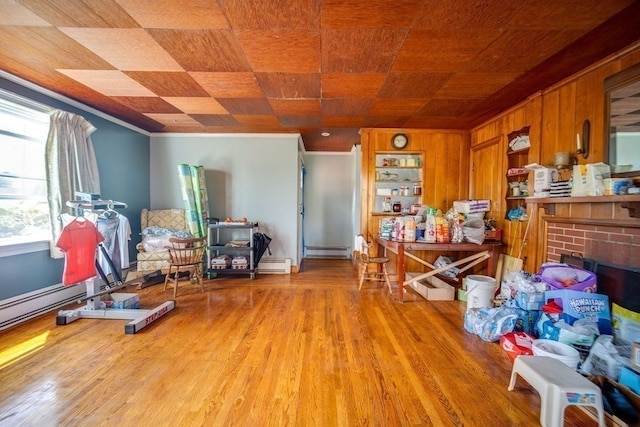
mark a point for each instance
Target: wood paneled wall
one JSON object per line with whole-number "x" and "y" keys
{"x": 555, "y": 115}
{"x": 445, "y": 170}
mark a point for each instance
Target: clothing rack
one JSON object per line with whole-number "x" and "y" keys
{"x": 95, "y": 307}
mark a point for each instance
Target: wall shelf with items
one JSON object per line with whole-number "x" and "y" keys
{"x": 517, "y": 177}
{"x": 398, "y": 183}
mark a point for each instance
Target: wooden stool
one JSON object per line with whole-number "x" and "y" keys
{"x": 558, "y": 386}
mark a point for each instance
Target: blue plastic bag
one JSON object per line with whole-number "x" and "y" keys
{"x": 490, "y": 323}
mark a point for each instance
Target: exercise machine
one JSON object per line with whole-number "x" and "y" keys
{"x": 101, "y": 302}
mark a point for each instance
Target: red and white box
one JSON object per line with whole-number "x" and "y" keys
{"x": 516, "y": 344}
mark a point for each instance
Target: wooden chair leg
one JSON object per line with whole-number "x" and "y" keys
{"x": 166, "y": 278}
{"x": 386, "y": 277}
{"x": 363, "y": 272}
{"x": 199, "y": 278}
{"x": 175, "y": 282}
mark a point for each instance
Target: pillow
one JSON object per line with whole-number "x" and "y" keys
{"x": 156, "y": 239}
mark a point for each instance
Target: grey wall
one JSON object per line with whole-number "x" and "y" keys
{"x": 251, "y": 176}
{"x": 329, "y": 200}
{"x": 123, "y": 162}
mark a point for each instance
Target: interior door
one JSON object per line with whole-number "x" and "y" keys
{"x": 486, "y": 180}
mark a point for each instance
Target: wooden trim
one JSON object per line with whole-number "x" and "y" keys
{"x": 591, "y": 221}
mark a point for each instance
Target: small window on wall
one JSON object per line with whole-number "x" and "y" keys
{"x": 24, "y": 212}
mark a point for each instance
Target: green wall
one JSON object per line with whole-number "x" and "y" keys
{"x": 123, "y": 162}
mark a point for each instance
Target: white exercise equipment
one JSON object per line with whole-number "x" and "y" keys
{"x": 95, "y": 307}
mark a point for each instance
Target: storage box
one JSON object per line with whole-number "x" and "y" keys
{"x": 612, "y": 419}
{"x": 493, "y": 235}
{"x": 635, "y": 355}
{"x": 471, "y": 206}
{"x": 552, "y": 274}
{"x": 516, "y": 344}
{"x": 582, "y": 305}
{"x": 124, "y": 301}
{"x": 630, "y": 378}
{"x": 432, "y": 288}
{"x": 542, "y": 179}
{"x": 530, "y": 301}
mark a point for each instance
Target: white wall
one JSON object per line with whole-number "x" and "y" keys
{"x": 329, "y": 199}
{"x": 252, "y": 176}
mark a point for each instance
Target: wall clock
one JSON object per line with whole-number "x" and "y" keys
{"x": 399, "y": 141}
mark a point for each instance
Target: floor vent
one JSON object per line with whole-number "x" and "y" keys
{"x": 274, "y": 266}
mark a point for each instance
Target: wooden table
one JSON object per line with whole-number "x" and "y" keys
{"x": 402, "y": 251}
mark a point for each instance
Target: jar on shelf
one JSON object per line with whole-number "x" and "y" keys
{"x": 397, "y": 207}
{"x": 386, "y": 205}
{"x": 417, "y": 189}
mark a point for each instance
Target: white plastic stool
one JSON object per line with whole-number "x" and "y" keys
{"x": 558, "y": 386}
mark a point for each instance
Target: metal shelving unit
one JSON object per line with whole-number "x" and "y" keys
{"x": 219, "y": 237}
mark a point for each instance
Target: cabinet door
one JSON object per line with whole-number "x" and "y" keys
{"x": 486, "y": 176}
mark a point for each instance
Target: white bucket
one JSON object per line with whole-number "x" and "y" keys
{"x": 561, "y": 351}
{"x": 480, "y": 291}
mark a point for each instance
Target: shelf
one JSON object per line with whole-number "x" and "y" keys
{"x": 516, "y": 197}
{"x": 235, "y": 248}
{"x": 217, "y": 245}
{"x": 231, "y": 225}
{"x": 516, "y": 175}
{"x": 382, "y": 181}
{"x": 520, "y": 151}
{"x": 386, "y": 213}
{"x": 630, "y": 202}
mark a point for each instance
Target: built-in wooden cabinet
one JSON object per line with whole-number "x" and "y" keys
{"x": 435, "y": 164}
{"x": 398, "y": 183}
{"x": 517, "y": 188}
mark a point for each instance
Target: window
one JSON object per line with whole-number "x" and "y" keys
{"x": 24, "y": 212}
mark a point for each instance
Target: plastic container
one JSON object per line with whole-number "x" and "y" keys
{"x": 480, "y": 291}
{"x": 583, "y": 280}
{"x": 557, "y": 350}
{"x": 430, "y": 226}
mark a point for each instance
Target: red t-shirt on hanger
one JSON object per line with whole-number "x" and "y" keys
{"x": 79, "y": 240}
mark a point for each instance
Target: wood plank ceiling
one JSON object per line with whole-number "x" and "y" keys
{"x": 307, "y": 66}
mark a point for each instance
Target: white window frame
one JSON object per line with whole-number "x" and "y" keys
{"x": 28, "y": 245}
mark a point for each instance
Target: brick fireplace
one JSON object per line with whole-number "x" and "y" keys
{"x": 616, "y": 245}
{"x": 604, "y": 231}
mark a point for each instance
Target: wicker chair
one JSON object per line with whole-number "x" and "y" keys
{"x": 165, "y": 218}
{"x": 185, "y": 255}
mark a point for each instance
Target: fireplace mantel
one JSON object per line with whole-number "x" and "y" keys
{"x": 631, "y": 203}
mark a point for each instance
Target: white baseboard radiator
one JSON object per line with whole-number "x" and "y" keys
{"x": 274, "y": 266}
{"x": 27, "y": 306}
{"x": 341, "y": 252}
{"x": 23, "y": 307}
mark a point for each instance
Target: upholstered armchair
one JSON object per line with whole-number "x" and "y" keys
{"x": 157, "y": 227}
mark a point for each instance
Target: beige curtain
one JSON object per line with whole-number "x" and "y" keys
{"x": 71, "y": 166}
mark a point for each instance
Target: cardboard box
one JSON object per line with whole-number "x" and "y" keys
{"x": 472, "y": 206}
{"x": 612, "y": 420}
{"x": 585, "y": 280}
{"x": 635, "y": 355}
{"x": 125, "y": 301}
{"x": 530, "y": 301}
{"x": 516, "y": 344}
{"x": 432, "y": 288}
{"x": 629, "y": 378}
{"x": 582, "y": 305}
{"x": 542, "y": 179}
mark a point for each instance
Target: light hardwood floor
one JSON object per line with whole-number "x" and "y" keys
{"x": 306, "y": 350}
